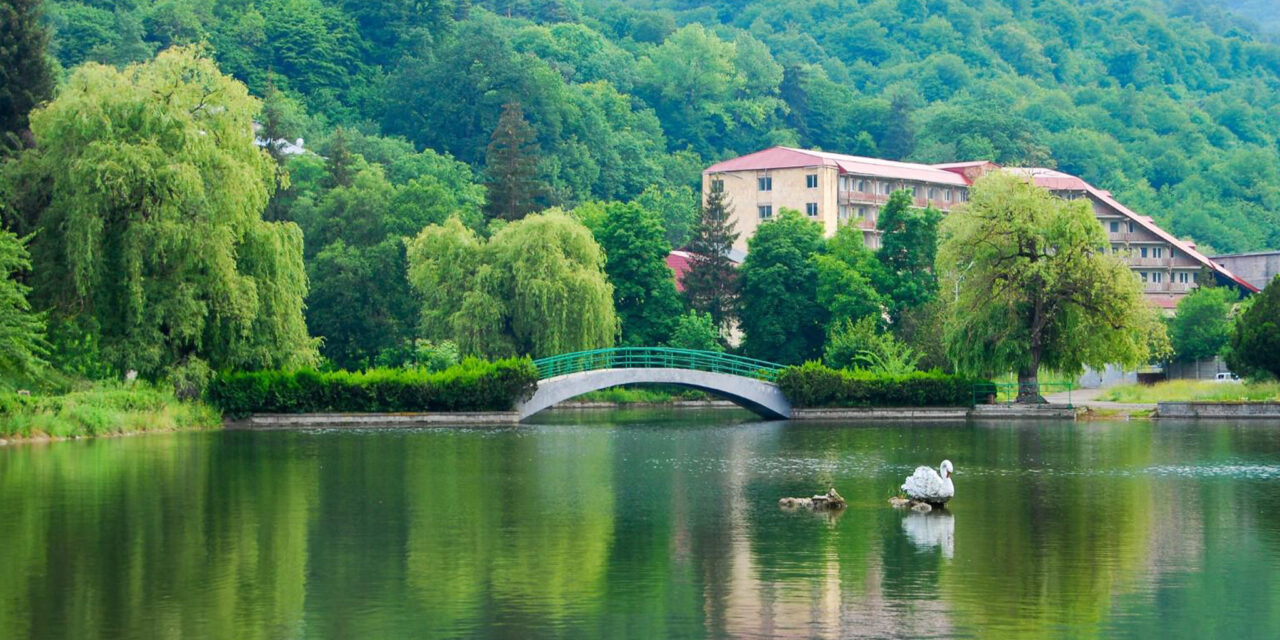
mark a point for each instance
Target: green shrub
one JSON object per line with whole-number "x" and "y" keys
{"x": 472, "y": 385}
{"x": 815, "y": 385}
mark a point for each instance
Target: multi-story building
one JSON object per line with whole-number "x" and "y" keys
{"x": 835, "y": 189}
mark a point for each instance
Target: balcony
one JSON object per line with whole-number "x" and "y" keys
{"x": 1125, "y": 236}
{"x": 1138, "y": 261}
{"x": 862, "y": 197}
{"x": 1167, "y": 287}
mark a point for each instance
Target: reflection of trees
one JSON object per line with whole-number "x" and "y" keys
{"x": 638, "y": 532}
{"x": 153, "y": 537}
{"x": 517, "y": 528}
{"x": 1084, "y": 541}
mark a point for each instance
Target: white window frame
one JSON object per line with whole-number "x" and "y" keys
{"x": 811, "y": 209}
{"x": 764, "y": 183}
{"x": 765, "y": 211}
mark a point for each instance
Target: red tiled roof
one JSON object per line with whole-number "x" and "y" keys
{"x": 1058, "y": 181}
{"x": 680, "y": 262}
{"x": 788, "y": 158}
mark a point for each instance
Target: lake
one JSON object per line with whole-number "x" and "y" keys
{"x": 645, "y": 524}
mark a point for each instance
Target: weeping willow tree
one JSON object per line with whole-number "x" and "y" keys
{"x": 1032, "y": 286}
{"x": 146, "y": 192}
{"x": 537, "y": 287}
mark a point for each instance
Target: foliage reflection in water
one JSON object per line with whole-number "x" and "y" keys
{"x": 644, "y": 525}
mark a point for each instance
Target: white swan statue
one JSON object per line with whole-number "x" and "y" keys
{"x": 930, "y": 487}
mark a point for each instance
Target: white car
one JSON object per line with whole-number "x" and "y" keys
{"x": 1226, "y": 377}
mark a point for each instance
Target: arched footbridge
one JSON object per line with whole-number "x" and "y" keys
{"x": 745, "y": 381}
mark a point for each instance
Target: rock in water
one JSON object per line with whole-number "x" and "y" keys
{"x": 831, "y": 501}
{"x": 899, "y": 502}
{"x": 922, "y": 507}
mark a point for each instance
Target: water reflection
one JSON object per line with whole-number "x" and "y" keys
{"x": 935, "y": 530}
{"x": 664, "y": 528}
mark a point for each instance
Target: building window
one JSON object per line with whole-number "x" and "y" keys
{"x": 862, "y": 186}
{"x": 1130, "y": 227}
{"x": 1115, "y": 227}
{"x": 717, "y": 186}
{"x": 766, "y": 211}
{"x": 844, "y": 211}
{"x": 766, "y": 183}
{"x": 862, "y": 212}
{"x": 915, "y": 191}
{"x": 1143, "y": 252}
{"x": 1157, "y": 276}
{"x": 1144, "y": 276}
{"x": 1183, "y": 277}
{"x": 946, "y": 195}
{"x": 811, "y": 208}
{"x": 886, "y": 188}
{"x": 1157, "y": 252}
{"x": 811, "y": 181}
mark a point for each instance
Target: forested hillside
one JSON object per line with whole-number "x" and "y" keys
{"x": 1171, "y": 106}
{"x": 1264, "y": 12}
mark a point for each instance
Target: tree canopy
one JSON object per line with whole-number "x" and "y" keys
{"x": 145, "y": 191}
{"x": 644, "y": 288}
{"x": 1167, "y": 103}
{"x": 1202, "y": 325}
{"x": 779, "y": 313}
{"x": 1255, "y": 344}
{"x": 537, "y": 288}
{"x": 1033, "y": 286}
{"x": 26, "y": 77}
{"x": 22, "y": 344}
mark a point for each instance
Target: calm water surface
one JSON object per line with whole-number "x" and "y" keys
{"x": 645, "y": 525}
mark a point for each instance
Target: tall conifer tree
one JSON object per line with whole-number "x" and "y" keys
{"x": 511, "y": 164}
{"x": 26, "y": 79}
{"x": 711, "y": 285}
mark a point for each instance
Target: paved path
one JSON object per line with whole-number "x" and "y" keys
{"x": 1089, "y": 398}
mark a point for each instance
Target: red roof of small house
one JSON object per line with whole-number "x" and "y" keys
{"x": 680, "y": 262}
{"x": 788, "y": 158}
{"x": 1058, "y": 181}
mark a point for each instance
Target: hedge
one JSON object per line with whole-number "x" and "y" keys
{"x": 473, "y": 385}
{"x": 815, "y": 385}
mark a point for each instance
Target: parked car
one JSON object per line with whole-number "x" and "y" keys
{"x": 1226, "y": 377}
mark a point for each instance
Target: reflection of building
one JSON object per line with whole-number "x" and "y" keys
{"x": 835, "y": 189}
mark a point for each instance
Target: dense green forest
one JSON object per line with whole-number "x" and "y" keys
{"x": 1265, "y": 12}
{"x": 1173, "y": 106}
{"x": 414, "y": 113}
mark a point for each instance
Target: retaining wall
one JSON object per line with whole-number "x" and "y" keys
{"x": 1269, "y": 410}
{"x": 373, "y": 420}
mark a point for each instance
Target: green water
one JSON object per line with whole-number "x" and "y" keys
{"x": 644, "y": 526}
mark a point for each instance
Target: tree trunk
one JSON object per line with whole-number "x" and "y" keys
{"x": 1029, "y": 384}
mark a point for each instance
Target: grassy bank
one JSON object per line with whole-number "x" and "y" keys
{"x": 100, "y": 411}
{"x": 1194, "y": 391}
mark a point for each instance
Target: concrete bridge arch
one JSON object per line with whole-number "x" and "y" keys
{"x": 760, "y": 396}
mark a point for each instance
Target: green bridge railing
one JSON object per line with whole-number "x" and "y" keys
{"x": 656, "y": 357}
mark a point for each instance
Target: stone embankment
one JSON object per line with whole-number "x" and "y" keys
{"x": 1230, "y": 410}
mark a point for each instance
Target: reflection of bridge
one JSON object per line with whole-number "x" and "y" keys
{"x": 747, "y": 382}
